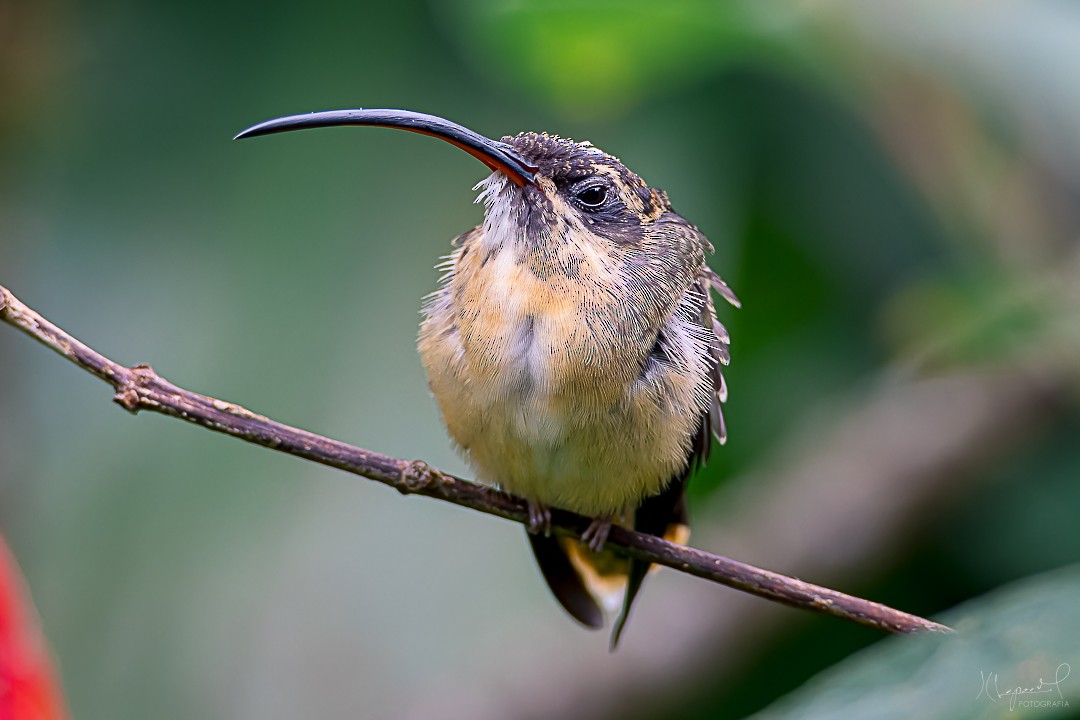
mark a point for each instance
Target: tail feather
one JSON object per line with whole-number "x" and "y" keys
{"x": 565, "y": 582}
{"x": 664, "y": 515}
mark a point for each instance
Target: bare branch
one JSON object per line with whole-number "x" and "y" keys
{"x": 140, "y": 388}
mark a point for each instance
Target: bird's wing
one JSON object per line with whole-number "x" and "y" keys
{"x": 666, "y": 515}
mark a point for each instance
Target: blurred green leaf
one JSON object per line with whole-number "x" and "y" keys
{"x": 599, "y": 57}
{"x": 1014, "y": 637}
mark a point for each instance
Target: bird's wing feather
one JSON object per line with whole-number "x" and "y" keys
{"x": 666, "y": 515}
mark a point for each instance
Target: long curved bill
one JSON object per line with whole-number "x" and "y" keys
{"x": 496, "y": 155}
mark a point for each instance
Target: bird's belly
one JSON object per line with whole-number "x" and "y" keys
{"x": 595, "y": 463}
{"x": 543, "y": 406}
{"x": 562, "y": 435}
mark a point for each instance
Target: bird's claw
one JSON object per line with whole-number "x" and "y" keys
{"x": 596, "y": 534}
{"x": 539, "y": 519}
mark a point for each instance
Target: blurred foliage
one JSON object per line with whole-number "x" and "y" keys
{"x": 891, "y": 189}
{"x": 1009, "y": 659}
{"x": 602, "y": 57}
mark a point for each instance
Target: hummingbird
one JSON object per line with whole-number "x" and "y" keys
{"x": 573, "y": 348}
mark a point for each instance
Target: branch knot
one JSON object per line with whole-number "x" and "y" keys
{"x": 128, "y": 391}
{"x": 417, "y": 476}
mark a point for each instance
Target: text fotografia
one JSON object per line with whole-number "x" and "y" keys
{"x": 1044, "y": 694}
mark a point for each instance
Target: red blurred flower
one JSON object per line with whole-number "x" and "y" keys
{"x": 28, "y": 685}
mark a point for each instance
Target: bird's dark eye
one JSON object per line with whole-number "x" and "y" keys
{"x": 592, "y": 196}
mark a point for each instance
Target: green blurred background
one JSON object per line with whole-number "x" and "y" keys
{"x": 892, "y": 189}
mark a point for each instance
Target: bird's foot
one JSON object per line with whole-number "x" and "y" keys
{"x": 596, "y": 534}
{"x": 539, "y": 519}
